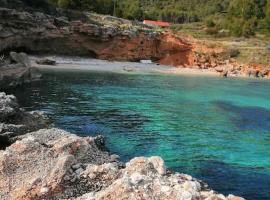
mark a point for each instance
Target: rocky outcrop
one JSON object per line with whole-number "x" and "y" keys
{"x": 222, "y": 62}
{"x": 16, "y": 70}
{"x": 54, "y": 164}
{"x": 14, "y": 121}
{"x": 112, "y": 38}
{"x": 41, "y": 33}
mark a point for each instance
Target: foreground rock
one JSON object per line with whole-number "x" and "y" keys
{"x": 54, "y": 164}
{"x": 15, "y": 121}
{"x": 16, "y": 70}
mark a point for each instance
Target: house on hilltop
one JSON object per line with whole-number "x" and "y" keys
{"x": 157, "y": 23}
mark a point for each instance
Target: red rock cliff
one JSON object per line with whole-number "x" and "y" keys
{"x": 40, "y": 33}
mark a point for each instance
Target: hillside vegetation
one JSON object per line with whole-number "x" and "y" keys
{"x": 238, "y": 17}
{"x": 231, "y": 17}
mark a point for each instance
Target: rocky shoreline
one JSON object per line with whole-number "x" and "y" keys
{"x": 109, "y": 38}
{"x": 73, "y": 33}
{"x": 15, "y": 70}
{"x": 15, "y": 122}
{"x": 54, "y": 164}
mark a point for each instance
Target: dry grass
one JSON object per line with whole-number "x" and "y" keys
{"x": 252, "y": 50}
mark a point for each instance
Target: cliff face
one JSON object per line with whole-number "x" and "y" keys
{"x": 40, "y": 33}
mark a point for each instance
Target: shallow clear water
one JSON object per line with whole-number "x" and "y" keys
{"x": 215, "y": 129}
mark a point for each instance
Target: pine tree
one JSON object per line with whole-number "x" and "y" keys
{"x": 267, "y": 15}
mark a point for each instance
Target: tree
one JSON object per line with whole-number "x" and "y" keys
{"x": 267, "y": 15}
{"x": 64, "y": 3}
{"x": 243, "y": 8}
{"x": 132, "y": 10}
{"x": 243, "y": 17}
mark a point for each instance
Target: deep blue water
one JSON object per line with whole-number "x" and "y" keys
{"x": 215, "y": 129}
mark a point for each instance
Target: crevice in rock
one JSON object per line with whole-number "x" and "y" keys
{"x": 4, "y": 142}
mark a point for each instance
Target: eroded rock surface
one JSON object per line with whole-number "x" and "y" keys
{"x": 16, "y": 70}
{"x": 85, "y": 34}
{"x": 41, "y": 33}
{"x": 15, "y": 121}
{"x": 54, "y": 164}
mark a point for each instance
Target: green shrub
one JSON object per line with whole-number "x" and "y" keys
{"x": 236, "y": 28}
{"x": 64, "y": 3}
{"x": 210, "y": 23}
{"x": 124, "y": 26}
{"x": 249, "y": 28}
{"x": 268, "y": 47}
{"x": 176, "y": 27}
{"x": 233, "y": 52}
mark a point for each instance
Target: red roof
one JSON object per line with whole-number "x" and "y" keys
{"x": 157, "y": 23}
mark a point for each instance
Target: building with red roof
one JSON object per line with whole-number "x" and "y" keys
{"x": 157, "y": 23}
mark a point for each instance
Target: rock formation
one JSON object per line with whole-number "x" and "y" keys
{"x": 41, "y": 33}
{"x": 16, "y": 70}
{"x": 53, "y": 164}
{"x": 14, "y": 121}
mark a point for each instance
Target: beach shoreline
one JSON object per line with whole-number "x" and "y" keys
{"x": 88, "y": 64}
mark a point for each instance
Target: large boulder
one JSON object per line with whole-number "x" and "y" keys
{"x": 8, "y": 106}
{"x": 20, "y": 58}
{"x": 15, "y": 121}
{"x": 16, "y": 71}
{"x": 54, "y": 164}
{"x": 49, "y": 164}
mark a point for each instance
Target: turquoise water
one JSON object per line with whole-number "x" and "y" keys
{"x": 215, "y": 129}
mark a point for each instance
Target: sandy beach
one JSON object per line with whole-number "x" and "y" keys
{"x": 88, "y": 64}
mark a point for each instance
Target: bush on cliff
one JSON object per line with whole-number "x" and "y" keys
{"x": 240, "y": 17}
{"x": 267, "y": 18}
